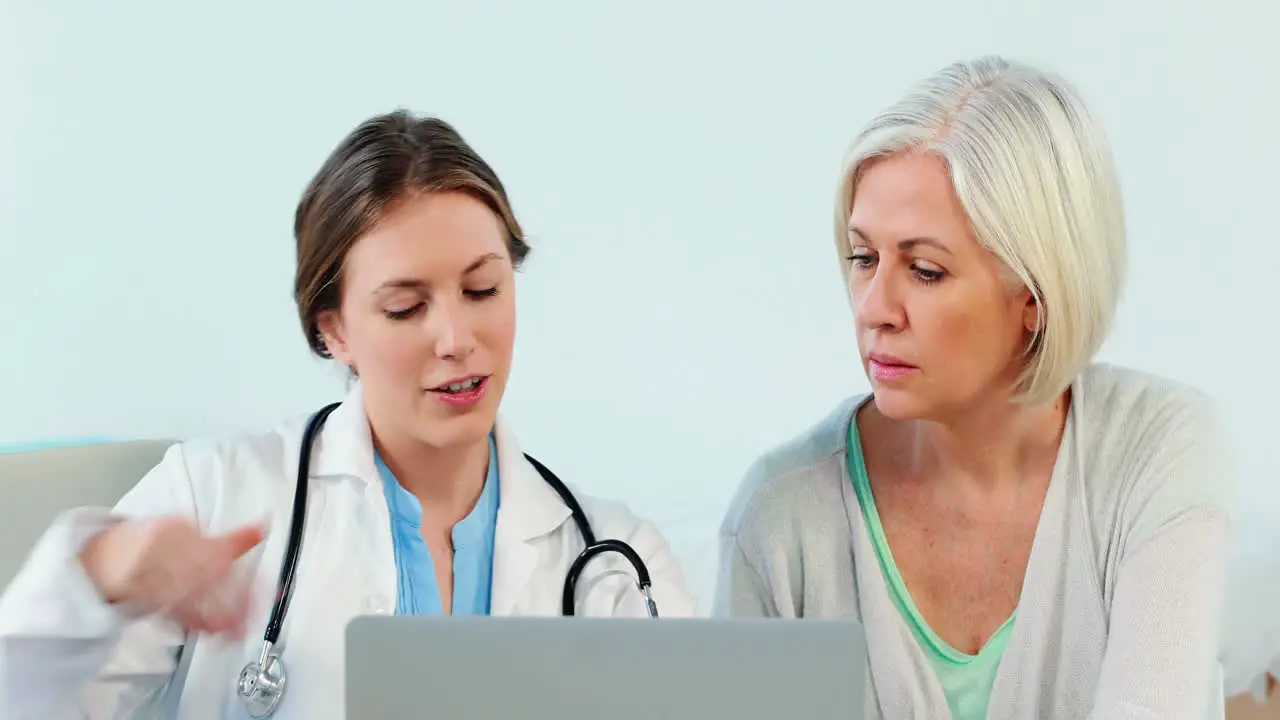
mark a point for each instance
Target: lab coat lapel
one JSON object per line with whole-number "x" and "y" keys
{"x": 344, "y": 446}
{"x": 528, "y": 509}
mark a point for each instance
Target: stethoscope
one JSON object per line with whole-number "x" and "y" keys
{"x": 262, "y": 684}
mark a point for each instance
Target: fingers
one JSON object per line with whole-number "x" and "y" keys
{"x": 201, "y": 617}
{"x": 241, "y": 540}
{"x": 180, "y": 572}
{"x": 168, "y": 566}
{"x": 202, "y": 589}
{"x": 218, "y": 605}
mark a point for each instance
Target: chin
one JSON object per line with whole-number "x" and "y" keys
{"x": 902, "y": 405}
{"x": 459, "y": 431}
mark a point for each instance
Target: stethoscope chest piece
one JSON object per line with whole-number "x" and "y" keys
{"x": 261, "y": 685}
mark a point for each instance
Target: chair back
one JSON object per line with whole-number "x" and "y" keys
{"x": 37, "y": 485}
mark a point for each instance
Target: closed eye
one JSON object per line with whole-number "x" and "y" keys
{"x": 923, "y": 274}
{"x": 861, "y": 260}
{"x": 405, "y": 313}
{"x": 926, "y": 275}
{"x": 486, "y": 293}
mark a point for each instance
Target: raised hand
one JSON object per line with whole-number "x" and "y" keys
{"x": 166, "y": 565}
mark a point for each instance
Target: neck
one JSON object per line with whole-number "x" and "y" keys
{"x": 991, "y": 446}
{"x": 446, "y": 481}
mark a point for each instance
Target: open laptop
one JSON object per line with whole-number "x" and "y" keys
{"x": 589, "y": 668}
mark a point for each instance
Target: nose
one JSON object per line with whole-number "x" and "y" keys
{"x": 877, "y": 301}
{"x": 454, "y": 337}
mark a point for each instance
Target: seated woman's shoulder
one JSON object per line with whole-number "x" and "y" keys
{"x": 1126, "y": 394}
{"x": 1151, "y": 438}
{"x": 796, "y": 481}
{"x": 614, "y": 519}
{"x": 611, "y": 517}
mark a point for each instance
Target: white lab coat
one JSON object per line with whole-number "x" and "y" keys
{"x": 65, "y": 654}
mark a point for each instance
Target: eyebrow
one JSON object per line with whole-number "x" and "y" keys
{"x": 416, "y": 284}
{"x": 908, "y": 243}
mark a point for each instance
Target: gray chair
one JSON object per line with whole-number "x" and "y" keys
{"x": 36, "y": 486}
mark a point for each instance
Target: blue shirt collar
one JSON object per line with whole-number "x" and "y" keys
{"x": 478, "y": 524}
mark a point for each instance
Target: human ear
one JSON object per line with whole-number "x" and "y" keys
{"x": 1032, "y": 313}
{"x": 329, "y": 322}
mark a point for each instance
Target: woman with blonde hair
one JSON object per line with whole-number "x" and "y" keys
{"x": 1023, "y": 532}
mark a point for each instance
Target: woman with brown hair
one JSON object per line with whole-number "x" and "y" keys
{"x": 416, "y": 499}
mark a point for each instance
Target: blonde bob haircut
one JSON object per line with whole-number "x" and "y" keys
{"x": 1034, "y": 173}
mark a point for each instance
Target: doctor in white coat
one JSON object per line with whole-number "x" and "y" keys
{"x": 420, "y": 499}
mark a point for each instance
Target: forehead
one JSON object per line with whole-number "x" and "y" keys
{"x": 427, "y": 236}
{"x": 906, "y": 195}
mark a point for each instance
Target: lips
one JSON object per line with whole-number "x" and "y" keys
{"x": 461, "y": 393}
{"x": 884, "y": 368}
{"x": 887, "y": 360}
{"x": 460, "y": 385}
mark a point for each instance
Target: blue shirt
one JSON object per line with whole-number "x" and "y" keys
{"x": 418, "y": 592}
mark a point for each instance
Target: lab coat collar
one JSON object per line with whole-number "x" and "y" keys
{"x": 528, "y": 509}
{"x": 533, "y": 508}
{"x": 344, "y": 446}
{"x": 527, "y": 506}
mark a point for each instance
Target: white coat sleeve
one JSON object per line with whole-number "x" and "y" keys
{"x": 64, "y": 652}
{"x": 670, "y": 590}
{"x": 1165, "y": 625}
{"x": 608, "y": 586}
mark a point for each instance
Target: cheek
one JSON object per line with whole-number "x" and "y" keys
{"x": 975, "y": 333}
{"x": 947, "y": 331}
{"x": 387, "y": 348}
{"x": 497, "y": 329}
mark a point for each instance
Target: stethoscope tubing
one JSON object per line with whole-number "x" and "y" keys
{"x": 293, "y": 550}
{"x": 262, "y": 684}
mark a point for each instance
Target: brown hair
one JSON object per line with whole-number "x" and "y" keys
{"x": 386, "y": 158}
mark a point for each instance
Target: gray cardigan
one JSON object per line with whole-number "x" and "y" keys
{"x": 1119, "y": 615}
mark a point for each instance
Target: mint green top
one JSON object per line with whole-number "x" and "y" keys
{"x": 1120, "y": 613}
{"x": 966, "y": 680}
